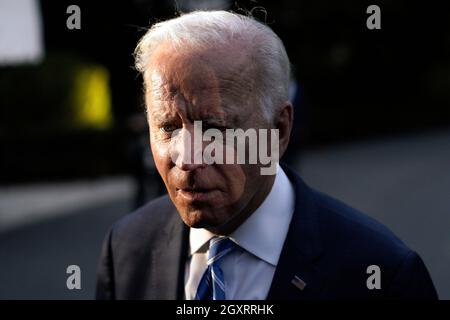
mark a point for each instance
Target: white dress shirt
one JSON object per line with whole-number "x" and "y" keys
{"x": 248, "y": 270}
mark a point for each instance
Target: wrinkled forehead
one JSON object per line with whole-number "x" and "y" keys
{"x": 195, "y": 73}
{"x": 227, "y": 59}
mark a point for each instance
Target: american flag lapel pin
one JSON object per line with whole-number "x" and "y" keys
{"x": 299, "y": 283}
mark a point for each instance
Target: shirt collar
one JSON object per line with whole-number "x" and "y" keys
{"x": 264, "y": 232}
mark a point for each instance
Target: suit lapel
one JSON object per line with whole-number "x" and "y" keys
{"x": 168, "y": 260}
{"x": 301, "y": 249}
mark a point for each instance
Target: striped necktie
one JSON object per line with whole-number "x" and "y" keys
{"x": 212, "y": 284}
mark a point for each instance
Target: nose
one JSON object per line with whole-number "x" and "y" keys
{"x": 187, "y": 150}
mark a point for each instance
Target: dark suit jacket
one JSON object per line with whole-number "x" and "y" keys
{"x": 329, "y": 246}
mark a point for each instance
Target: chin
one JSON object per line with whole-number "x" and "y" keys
{"x": 201, "y": 219}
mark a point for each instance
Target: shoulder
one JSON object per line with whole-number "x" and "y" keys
{"x": 337, "y": 227}
{"x": 341, "y": 224}
{"x": 353, "y": 243}
{"x": 144, "y": 223}
{"x": 130, "y": 260}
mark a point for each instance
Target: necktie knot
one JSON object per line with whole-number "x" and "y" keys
{"x": 219, "y": 247}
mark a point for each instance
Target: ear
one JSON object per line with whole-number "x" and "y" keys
{"x": 284, "y": 122}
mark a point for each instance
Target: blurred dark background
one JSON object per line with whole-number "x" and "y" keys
{"x": 355, "y": 82}
{"x": 75, "y": 115}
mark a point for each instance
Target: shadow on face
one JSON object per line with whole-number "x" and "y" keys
{"x": 216, "y": 88}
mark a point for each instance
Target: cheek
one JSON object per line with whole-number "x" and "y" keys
{"x": 236, "y": 181}
{"x": 161, "y": 156}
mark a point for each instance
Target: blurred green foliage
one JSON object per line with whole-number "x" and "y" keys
{"x": 49, "y": 98}
{"x": 56, "y": 121}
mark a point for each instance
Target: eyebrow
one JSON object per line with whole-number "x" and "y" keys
{"x": 159, "y": 117}
{"x": 214, "y": 119}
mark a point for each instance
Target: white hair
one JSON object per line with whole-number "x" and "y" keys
{"x": 206, "y": 29}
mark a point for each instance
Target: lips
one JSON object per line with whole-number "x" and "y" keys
{"x": 197, "y": 194}
{"x": 189, "y": 189}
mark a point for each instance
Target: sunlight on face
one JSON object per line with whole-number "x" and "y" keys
{"x": 196, "y": 86}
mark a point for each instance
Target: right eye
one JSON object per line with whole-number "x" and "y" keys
{"x": 168, "y": 128}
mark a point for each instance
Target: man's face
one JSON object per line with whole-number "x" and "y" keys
{"x": 216, "y": 87}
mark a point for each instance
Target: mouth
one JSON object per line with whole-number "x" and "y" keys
{"x": 197, "y": 194}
